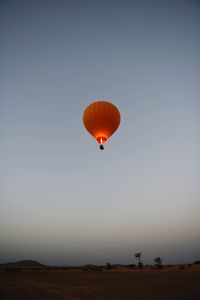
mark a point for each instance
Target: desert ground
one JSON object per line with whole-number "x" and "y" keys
{"x": 168, "y": 283}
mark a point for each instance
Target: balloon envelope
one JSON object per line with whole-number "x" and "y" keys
{"x": 101, "y": 119}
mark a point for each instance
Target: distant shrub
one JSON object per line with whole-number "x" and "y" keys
{"x": 108, "y": 266}
{"x": 159, "y": 267}
{"x": 132, "y": 266}
{"x": 12, "y": 269}
{"x": 97, "y": 268}
{"x": 197, "y": 262}
{"x": 91, "y": 268}
{"x": 84, "y": 269}
{"x": 182, "y": 267}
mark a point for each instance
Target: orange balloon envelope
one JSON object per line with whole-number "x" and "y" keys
{"x": 101, "y": 119}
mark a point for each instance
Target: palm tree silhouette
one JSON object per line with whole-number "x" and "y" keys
{"x": 158, "y": 261}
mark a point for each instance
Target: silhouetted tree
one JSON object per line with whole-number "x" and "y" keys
{"x": 158, "y": 262}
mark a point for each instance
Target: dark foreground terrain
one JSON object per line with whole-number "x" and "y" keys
{"x": 114, "y": 284}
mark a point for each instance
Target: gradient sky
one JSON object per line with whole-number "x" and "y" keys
{"x": 62, "y": 200}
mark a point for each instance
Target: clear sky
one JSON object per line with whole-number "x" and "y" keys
{"x": 62, "y": 200}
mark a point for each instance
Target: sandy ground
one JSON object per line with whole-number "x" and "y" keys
{"x": 118, "y": 284}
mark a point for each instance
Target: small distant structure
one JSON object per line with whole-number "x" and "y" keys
{"x": 137, "y": 256}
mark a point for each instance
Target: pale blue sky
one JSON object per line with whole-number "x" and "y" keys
{"x": 62, "y": 200}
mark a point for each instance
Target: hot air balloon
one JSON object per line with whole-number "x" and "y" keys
{"x": 101, "y": 119}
